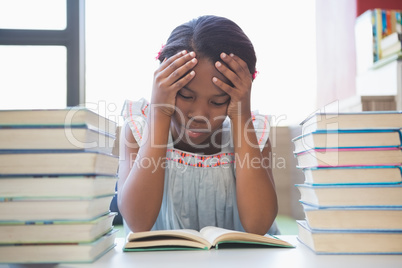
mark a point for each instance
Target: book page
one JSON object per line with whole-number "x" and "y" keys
{"x": 212, "y": 233}
{"x": 164, "y": 243}
{"x": 186, "y": 234}
{"x": 216, "y": 235}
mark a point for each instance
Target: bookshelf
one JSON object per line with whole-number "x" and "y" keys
{"x": 379, "y": 82}
{"x": 382, "y": 81}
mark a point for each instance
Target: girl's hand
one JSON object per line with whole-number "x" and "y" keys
{"x": 238, "y": 74}
{"x": 173, "y": 74}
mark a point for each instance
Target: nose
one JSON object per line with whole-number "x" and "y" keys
{"x": 199, "y": 112}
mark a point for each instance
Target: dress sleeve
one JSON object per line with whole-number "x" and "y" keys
{"x": 262, "y": 128}
{"x": 135, "y": 113}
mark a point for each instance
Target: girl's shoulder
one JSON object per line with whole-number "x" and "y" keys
{"x": 132, "y": 109}
{"x": 261, "y": 123}
{"x": 135, "y": 114}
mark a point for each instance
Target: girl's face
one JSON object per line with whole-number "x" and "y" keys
{"x": 201, "y": 108}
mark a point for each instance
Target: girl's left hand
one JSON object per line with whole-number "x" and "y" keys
{"x": 239, "y": 75}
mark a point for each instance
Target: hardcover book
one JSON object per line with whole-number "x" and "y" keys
{"x": 57, "y": 252}
{"x": 49, "y": 162}
{"x": 351, "y": 195}
{"x": 348, "y": 121}
{"x": 50, "y": 209}
{"x": 353, "y": 175}
{"x": 56, "y": 186}
{"x": 58, "y": 231}
{"x": 347, "y": 139}
{"x": 353, "y": 218}
{"x": 350, "y": 242}
{"x": 350, "y": 157}
{"x": 55, "y": 138}
{"x": 74, "y": 116}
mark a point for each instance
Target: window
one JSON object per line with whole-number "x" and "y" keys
{"x": 42, "y": 52}
{"x": 33, "y": 14}
{"x": 33, "y": 77}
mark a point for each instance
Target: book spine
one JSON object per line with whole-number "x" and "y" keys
{"x": 384, "y": 21}
{"x": 375, "y": 34}
{"x": 393, "y": 21}
{"x": 398, "y": 26}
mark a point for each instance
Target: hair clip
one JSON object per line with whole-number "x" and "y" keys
{"x": 255, "y": 74}
{"x": 160, "y": 52}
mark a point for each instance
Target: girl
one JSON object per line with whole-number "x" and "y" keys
{"x": 196, "y": 155}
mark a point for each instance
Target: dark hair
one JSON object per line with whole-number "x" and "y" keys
{"x": 209, "y": 36}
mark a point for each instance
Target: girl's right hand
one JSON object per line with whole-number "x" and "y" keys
{"x": 172, "y": 75}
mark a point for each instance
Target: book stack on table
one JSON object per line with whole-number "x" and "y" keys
{"x": 352, "y": 194}
{"x": 57, "y": 179}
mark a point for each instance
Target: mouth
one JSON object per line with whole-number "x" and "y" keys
{"x": 196, "y": 132}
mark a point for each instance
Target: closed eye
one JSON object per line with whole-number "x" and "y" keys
{"x": 219, "y": 103}
{"x": 183, "y": 96}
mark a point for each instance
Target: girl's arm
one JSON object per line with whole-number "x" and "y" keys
{"x": 256, "y": 196}
{"x": 141, "y": 172}
{"x": 141, "y": 176}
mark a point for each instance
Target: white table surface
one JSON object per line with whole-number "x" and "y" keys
{"x": 271, "y": 257}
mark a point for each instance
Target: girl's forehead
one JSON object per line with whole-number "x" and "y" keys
{"x": 207, "y": 92}
{"x": 202, "y": 83}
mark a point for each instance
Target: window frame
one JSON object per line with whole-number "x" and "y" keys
{"x": 72, "y": 37}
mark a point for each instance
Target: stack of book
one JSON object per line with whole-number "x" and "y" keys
{"x": 378, "y": 35}
{"x": 352, "y": 194}
{"x": 57, "y": 179}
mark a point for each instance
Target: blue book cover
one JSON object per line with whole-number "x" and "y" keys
{"x": 347, "y": 139}
{"x": 353, "y": 218}
{"x": 369, "y": 195}
{"x": 352, "y": 175}
{"x": 57, "y": 162}
{"x": 336, "y": 157}
{"x": 350, "y": 241}
{"x": 68, "y": 117}
{"x": 47, "y": 127}
{"x": 56, "y": 137}
{"x": 348, "y": 121}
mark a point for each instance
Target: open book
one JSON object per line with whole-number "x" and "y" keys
{"x": 207, "y": 238}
